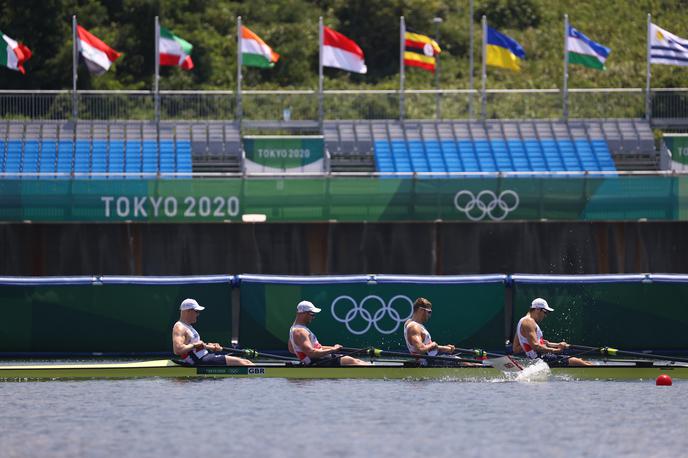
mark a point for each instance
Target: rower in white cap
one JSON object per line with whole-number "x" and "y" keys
{"x": 187, "y": 343}
{"x": 529, "y": 339}
{"x": 304, "y": 344}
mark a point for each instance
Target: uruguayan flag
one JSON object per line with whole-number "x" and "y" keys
{"x": 667, "y": 48}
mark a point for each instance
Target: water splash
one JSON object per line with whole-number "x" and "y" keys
{"x": 539, "y": 371}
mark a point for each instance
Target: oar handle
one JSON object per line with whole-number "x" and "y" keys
{"x": 252, "y": 354}
{"x": 477, "y": 352}
{"x": 376, "y": 352}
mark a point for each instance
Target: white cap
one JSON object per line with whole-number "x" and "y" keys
{"x": 540, "y": 303}
{"x": 190, "y": 304}
{"x": 307, "y": 307}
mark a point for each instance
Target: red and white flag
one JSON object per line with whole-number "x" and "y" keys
{"x": 97, "y": 55}
{"x": 342, "y": 52}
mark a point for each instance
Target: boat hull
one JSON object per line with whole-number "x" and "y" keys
{"x": 167, "y": 368}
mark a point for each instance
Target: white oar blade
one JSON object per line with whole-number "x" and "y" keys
{"x": 505, "y": 364}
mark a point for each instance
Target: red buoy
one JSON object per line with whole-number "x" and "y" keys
{"x": 663, "y": 380}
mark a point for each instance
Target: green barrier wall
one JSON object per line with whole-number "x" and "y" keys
{"x": 117, "y": 318}
{"x": 466, "y": 314}
{"x": 618, "y": 198}
{"x": 627, "y": 315}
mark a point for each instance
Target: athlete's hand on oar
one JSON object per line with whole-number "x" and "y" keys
{"x": 200, "y": 345}
{"x": 213, "y": 346}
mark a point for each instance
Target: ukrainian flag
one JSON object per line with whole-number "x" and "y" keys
{"x": 503, "y": 51}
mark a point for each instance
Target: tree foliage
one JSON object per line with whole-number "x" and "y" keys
{"x": 290, "y": 27}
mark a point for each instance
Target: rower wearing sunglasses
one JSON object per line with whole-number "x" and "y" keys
{"x": 418, "y": 338}
{"x": 529, "y": 339}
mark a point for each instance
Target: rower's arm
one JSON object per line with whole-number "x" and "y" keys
{"x": 179, "y": 345}
{"x": 414, "y": 338}
{"x": 528, "y": 329}
{"x": 301, "y": 340}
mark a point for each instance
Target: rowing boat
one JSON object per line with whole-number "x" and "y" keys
{"x": 603, "y": 370}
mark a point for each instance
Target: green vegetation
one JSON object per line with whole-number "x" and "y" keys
{"x": 290, "y": 27}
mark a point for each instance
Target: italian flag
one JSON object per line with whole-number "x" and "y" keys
{"x": 174, "y": 51}
{"x": 13, "y": 54}
{"x": 96, "y": 54}
{"x": 583, "y": 51}
{"x": 254, "y": 51}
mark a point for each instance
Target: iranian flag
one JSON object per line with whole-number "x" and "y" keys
{"x": 174, "y": 51}
{"x": 339, "y": 51}
{"x": 96, "y": 54}
{"x": 254, "y": 51}
{"x": 13, "y": 54}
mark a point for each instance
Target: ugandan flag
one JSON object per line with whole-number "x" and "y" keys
{"x": 420, "y": 51}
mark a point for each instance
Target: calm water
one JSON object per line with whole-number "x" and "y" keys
{"x": 254, "y": 417}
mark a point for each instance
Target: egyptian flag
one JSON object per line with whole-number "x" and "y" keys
{"x": 97, "y": 55}
{"x": 420, "y": 51}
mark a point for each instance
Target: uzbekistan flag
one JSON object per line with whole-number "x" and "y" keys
{"x": 342, "y": 52}
{"x": 13, "y": 54}
{"x": 174, "y": 51}
{"x": 667, "y": 48}
{"x": 420, "y": 51}
{"x": 97, "y": 55}
{"x": 254, "y": 51}
{"x": 583, "y": 51}
{"x": 503, "y": 51}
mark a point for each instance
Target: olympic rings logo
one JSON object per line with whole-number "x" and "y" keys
{"x": 486, "y": 203}
{"x": 372, "y": 319}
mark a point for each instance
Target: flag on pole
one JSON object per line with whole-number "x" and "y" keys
{"x": 13, "y": 54}
{"x": 420, "y": 51}
{"x": 254, "y": 51}
{"x": 339, "y": 51}
{"x": 583, "y": 51}
{"x": 96, "y": 54}
{"x": 503, "y": 51}
{"x": 174, "y": 51}
{"x": 667, "y": 48}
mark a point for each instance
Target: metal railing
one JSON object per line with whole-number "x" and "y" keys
{"x": 668, "y": 105}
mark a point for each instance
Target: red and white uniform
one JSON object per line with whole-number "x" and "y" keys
{"x": 529, "y": 351}
{"x": 425, "y": 336}
{"x": 192, "y": 337}
{"x": 297, "y": 349}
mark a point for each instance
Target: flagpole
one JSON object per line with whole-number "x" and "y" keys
{"x": 470, "y": 59}
{"x": 483, "y": 97}
{"x": 402, "y": 76}
{"x": 648, "y": 101}
{"x": 75, "y": 62}
{"x": 239, "y": 108}
{"x": 565, "y": 92}
{"x": 438, "y": 114}
{"x": 156, "y": 79}
{"x": 321, "y": 113}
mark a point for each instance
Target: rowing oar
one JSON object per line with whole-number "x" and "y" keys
{"x": 478, "y": 353}
{"x": 608, "y": 351}
{"x": 251, "y": 354}
{"x": 377, "y": 353}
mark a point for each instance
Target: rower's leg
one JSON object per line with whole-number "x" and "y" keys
{"x": 234, "y": 361}
{"x": 573, "y": 361}
{"x": 349, "y": 361}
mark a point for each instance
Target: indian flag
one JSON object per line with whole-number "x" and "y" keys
{"x": 254, "y": 51}
{"x": 174, "y": 51}
{"x": 583, "y": 51}
{"x": 13, "y": 54}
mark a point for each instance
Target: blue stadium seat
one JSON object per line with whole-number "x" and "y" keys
{"x": 31, "y": 154}
{"x": 48, "y": 159}
{"x": 184, "y": 159}
{"x": 65, "y": 156}
{"x": 116, "y": 159}
{"x": 383, "y": 157}
{"x": 132, "y": 160}
{"x": 82, "y": 159}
